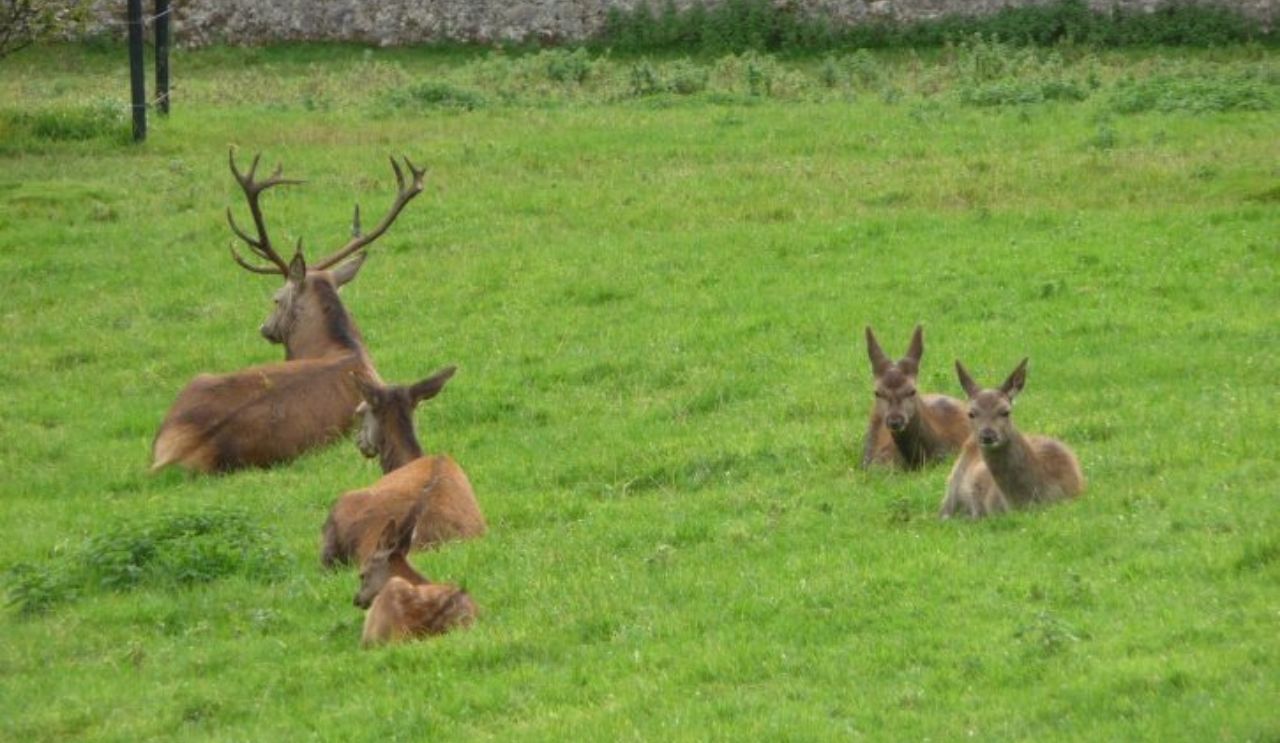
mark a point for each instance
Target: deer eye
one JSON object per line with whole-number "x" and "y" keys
{"x": 973, "y": 414}
{"x": 881, "y": 395}
{"x": 909, "y": 393}
{"x": 1004, "y": 413}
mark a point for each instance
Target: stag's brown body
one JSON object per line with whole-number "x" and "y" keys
{"x": 999, "y": 467}
{"x": 448, "y": 504}
{"x": 909, "y": 430}
{"x": 403, "y": 603}
{"x": 274, "y": 412}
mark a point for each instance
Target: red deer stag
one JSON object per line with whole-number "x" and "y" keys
{"x": 909, "y": 430}
{"x": 999, "y": 468}
{"x": 273, "y": 412}
{"x": 402, "y": 603}
{"x": 448, "y": 504}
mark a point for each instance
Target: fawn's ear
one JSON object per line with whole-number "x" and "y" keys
{"x": 348, "y": 270}
{"x": 879, "y": 362}
{"x": 916, "y": 349}
{"x": 1016, "y": 381}
{"x": 297, "y": 267}
{"x": 389, "y": 537}
{"x": 431, "y": 386}
{"x": 971, "y": 387}
{"x": 369, "y": 390}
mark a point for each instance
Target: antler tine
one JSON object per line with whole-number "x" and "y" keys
{"x": 405, "y": 194}
{"x": 355, "y": 222}
{"x": 261, "y": 245}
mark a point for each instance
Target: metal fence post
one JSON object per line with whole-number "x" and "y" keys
{"x": 136, "y": 72}
{"x": 162, "y": 56}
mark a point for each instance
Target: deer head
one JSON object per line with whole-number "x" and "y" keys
{"x": 386, "y": 427}
{"x": 990, "y": 410}
{"x": 388, "y": 560}
{"x": 292, "y": 300}
{"x": 896, "y": 398}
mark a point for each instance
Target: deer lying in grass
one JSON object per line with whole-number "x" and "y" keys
{"x": 909, "y": 430}
{"x": 436, "y": 483}
{"x": 999, "y": 467}
{"x": 402, "y": 603}
{"x": 273, "y": 412}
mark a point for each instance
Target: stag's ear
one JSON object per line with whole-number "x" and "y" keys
{"x": 347, "y": 271}
{"x": 879, "y": 362}
{"x": 297, "y": 267}
{"x": 971, "y": 387}
{"x": 431, "y": 386}
{"x": 916, "y": 349}
{"x": 404, "y": 539}
{"x": 1016, "y": 381}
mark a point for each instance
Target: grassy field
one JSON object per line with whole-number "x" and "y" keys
{"x": 653, "y": 276}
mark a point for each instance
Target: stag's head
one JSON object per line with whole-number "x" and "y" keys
{"x": 896, "y": 398}
{"x": 387, "y": 412}
{"x": 990, "y": 410}
{"x": 297, "y": 299}
{"x": 389, "y": 559}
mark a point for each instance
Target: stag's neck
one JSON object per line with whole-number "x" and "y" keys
{"x": 324, "y": 328}
{"x": 1015, "y": 469}
{"x": 919, "y": 442}
{"x": 401, "y": 443}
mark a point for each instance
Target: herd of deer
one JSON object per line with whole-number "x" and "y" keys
{"x": 272, "y": 413}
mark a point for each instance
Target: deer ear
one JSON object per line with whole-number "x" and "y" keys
{"x": 370, "y": 391}
{"x": 347, "y": 271}
{"x": 879, "y": 362}
{"x": 431, "y": 386}
{"x": 1016, "y": 381}
{"x": 916, "y": 349}
{"x": 971, "y": 387}
{"x": 389, "y": 536}
{"x": 297, "y": 266}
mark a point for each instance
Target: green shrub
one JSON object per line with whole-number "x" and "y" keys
{"x": 100, "y": 119}
{"x": 434, "y": 94}
{"x": 168, "y": 552}
{"x": 1195, "y": 92}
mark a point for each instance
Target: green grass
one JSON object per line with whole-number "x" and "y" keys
{"x": 655, "y": 300}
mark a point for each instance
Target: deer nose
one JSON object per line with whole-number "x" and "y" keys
{"x": 896, "y": 422}
{"x": 987, "y": 436}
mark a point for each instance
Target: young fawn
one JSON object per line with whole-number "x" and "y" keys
{"x": 909, "y": 430}
{"x": 401, "y": 602}
{"x": 449, "y": 504}
{"x": 999, "y": 468}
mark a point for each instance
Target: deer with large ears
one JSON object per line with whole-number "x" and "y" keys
{"x": 273, "y": 412}
{"x": 434, "y": 487}
{"x": 907, "y": 429}
{"x": 1000, "y": 468}
{"x": 401, "y": 602}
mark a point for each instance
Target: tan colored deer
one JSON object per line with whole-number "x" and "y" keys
{"x": 999, "y": 468}
{"x": 907, "y": 429}
{"x": 403, "y": 603}
{"x": 273, "y": 412}
{"x": 448, "y": 504}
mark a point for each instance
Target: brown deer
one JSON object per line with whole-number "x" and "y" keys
{"x": 436, "y": 483}
{"x": 401, "y": 602}
{"x": 273, "y": 412}
{"x": 907, "y": 429}
{"x": 999, "y": 468}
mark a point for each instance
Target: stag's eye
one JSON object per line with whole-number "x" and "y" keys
{"x": 1004, "y": 413}
{"x": 881, "y": 395}
{"x": 909, "y": 393}
{"x": 973, "y": 414}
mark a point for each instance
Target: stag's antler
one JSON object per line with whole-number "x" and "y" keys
{"x": 405, "y": 195}
{"x": 252, "y": 189}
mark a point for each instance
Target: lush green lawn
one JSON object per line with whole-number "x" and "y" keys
{"x": 656, "y": 305}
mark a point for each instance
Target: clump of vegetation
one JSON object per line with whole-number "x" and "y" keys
{"x": 168, "y": 552}
{"x": 100, "y": 119}
{"x": 435, "y": 94}
{"x": 994, "y": 73}
{"x": 1197, "y": 90}
{"x": 763, "y": 25}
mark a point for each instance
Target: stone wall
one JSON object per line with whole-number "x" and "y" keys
{"x": 398, "y": 22}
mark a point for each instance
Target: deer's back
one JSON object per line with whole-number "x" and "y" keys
{"x": 258, "y": 416}
{"x": 357, "y": 518}
{"x": 402, "y": 611}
